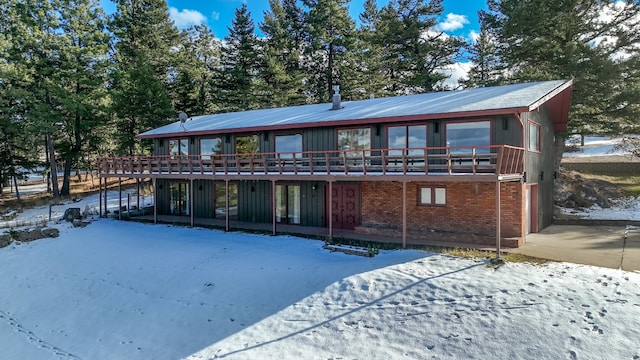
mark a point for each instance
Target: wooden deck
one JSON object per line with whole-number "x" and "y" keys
{"x": 454, "y": 163}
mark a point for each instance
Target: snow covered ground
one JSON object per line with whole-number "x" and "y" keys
{"x": 594, "y": 146}
{"x": 122, "y": 290}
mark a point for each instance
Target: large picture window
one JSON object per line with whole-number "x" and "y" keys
{"x": 210, "y": 147}
{"x": 286, "y": 145}
{"x": 247, "y": 144}
{"x": 402, "y": 137}
{"x": 179, "y": 201}
{"x": 461, "y": 137}
{"x": 354, "y": 139}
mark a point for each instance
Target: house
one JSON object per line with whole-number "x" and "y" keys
{"x": 474, "y": 165}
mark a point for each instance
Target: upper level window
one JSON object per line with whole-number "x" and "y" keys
{"x": 534, "y": 136}
{"x": 354, "y": 139}
{"x": 402, "y": 137}
{"x": 465, "y": 135}
{"x": 286, "y": 145}
{"x": 210, "y": 147}
{"x": 247, "y": 144}
{"x": 179, "y": 147}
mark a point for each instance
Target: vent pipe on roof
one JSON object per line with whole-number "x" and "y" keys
{"x": 336, "y": 102}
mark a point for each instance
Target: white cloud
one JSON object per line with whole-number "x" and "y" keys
{"x": 455, "y": 73}
{"x": 474, "y": 35}
{"x": 185, "y": 17}
{"x": 215, "y": 15}
{"x": 453, "y": 22}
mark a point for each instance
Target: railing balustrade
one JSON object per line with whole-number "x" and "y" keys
{"x": 498, "y": 159}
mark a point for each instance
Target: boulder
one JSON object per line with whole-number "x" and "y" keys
{"x": 5, "y": 239}
{"x": 27, "y": 235}
{"x": 72, "y": 214}
{"x": 50, "y": 232}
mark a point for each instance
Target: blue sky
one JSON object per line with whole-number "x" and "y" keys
{"x": 459, "y": 17}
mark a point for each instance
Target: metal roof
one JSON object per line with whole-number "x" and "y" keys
{"x": 487, "y": 101}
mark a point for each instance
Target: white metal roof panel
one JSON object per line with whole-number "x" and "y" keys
{"x": 520, "y": 96}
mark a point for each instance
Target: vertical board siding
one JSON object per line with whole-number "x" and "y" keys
{"x": 254, "y": 201}
{"x": 312, "y": 203}
{"x": 318, "y": 139}
{"x": 512, "y": 135}
{"x": 203, "y": 205}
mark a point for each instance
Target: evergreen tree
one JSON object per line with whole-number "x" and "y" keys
{"x": 198, "y": 58}
{"x": 331, "y": 37}
{"x": 240, "y": 65}
{"x": 283, "y": 76}
{"x": 593, "y": 42}
{"x": 369, "y": 78}
{"x": 145, "y": 65}
{"x": 486, "y": 70}
{"x": 81, "y": 80}
{"x": 414, "y": 52}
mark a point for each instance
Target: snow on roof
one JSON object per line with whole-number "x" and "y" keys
{"x": 516, "y": 97}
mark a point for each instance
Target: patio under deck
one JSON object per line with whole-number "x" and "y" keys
{"x": 448, "y": 240}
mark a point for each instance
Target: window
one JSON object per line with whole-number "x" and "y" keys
{"x": 179, "y": 202}
{"x": 210, "y": 147}
{"x": 534, "y": 136}
{"x": 220, "y": 200}
{"x": 463, "y": 136}
{"x": 288, "y": 204}
{"x": 289, "y": 144}
{"x": 247, "y": 144}
{"x": 354, "y": 139}
{"x": 402, "y": 137}
{"x": 178, "y": 147}
{"x": 432, "y": 196}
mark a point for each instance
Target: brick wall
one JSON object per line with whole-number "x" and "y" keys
{"x": 470, "y": 208}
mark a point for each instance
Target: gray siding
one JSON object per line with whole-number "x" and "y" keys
{"x": 254, "y": 201}
{"x": 318, "y": 139}
{"x": 312, "y": 204}
{"x": 203, "y": 204}
{"x": 506, "y": 130}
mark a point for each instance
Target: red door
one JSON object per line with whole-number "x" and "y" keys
{"x": 345, "y": 206}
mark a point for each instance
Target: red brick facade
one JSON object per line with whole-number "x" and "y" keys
{"x": 470, "y": 210}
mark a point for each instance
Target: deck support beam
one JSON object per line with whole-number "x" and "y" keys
{"x": 191, "y": 202}
{"x": 273, "y": 204}
{"x": 100, "y": 197}
{"x": 137, "y": 195}
{"x": 106, "y": 186}
{"x": 330, "y": 205}
{"x": 155, "y": 200}
{"x": 119, "y": 198}
{"x": 226, "y": 205}
{"x": 498, "y": 220}
{"x": 404, "y": 214}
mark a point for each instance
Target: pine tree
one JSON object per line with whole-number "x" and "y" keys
{"x": 144, "y": 59}
{"x": 282, "y": 76}
{"x": 240, "y": 65}
{"x": 414, "y": 52}
{"x": 573, "y": 39}
{"x": 369, "y": 78}
{"x": 331, "y": 31}
{"x": 486, "y": 70}
{"x": 198, "y": 58}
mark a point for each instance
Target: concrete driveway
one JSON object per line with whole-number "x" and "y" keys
{"x": 615, "y": 247}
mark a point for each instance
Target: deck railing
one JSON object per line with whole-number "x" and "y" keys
{"x": 499, "y": 160}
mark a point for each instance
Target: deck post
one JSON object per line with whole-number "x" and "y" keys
{"x": 273, "y": 204}
{"x": 119, "y": 198}
{"x": 106, "y": 186}
{"x": 100, "y": 197}
{"x": 498, "y": 235}
{"x": 138, "y": 194}
{"x": 226, "y": 205}
{"x": 155, "y": 201}
{"x": 404, "y": 214}
{"x": 191, "y": 202}
{"x": 330, "y": 205}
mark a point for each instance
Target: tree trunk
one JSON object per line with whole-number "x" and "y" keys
{"x": 558, "y": 147}
{"x": 66, "y": 178}
{"x": 15, "y": 184}
{"x": 52, "y": 165}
